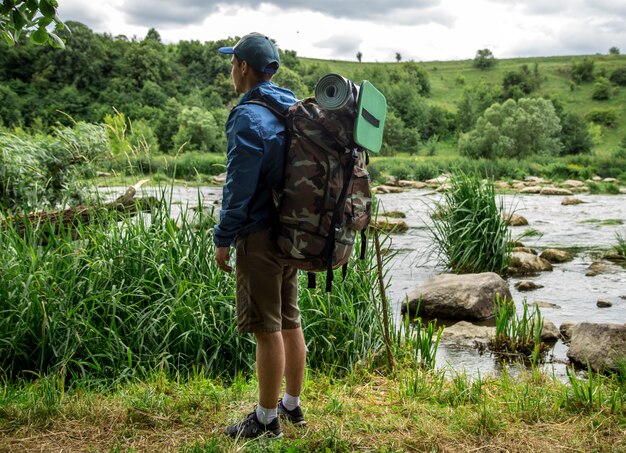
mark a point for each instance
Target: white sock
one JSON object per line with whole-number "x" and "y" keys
{"x": 265, "y": 415}
{"x": 290, "y": 402}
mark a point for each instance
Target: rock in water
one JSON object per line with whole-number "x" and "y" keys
{"x": 527, "y": 285}
{"x": 451, "y": 296}
{"x": 603, "y": 345}
{"x": 556, "y": 256}
{"x": 526, "y": 263}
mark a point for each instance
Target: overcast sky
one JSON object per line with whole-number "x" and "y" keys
{"x": 420, "y": 30}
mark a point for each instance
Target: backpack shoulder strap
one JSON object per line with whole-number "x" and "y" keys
{"x": 271, "y": 108}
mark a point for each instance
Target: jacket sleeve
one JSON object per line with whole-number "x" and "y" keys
{"x": 243, "y": 168}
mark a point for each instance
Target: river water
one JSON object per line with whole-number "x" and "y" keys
{"x": 587, "y": 230}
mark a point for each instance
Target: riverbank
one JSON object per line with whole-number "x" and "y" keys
{"x": 410, "y": 410}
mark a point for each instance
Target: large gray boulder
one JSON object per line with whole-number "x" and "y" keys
{"x": 526, "y": 263}
{"x": 451, "y": 296}
{"x": 603, "y": 345}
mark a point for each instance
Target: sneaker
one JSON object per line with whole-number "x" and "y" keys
{"x": 296, "y": 417}
{"x": 251, "y": 428}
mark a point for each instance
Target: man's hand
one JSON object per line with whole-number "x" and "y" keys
{"x": 222, "y": 254}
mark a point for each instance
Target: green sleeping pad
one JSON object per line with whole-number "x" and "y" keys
{"x": 370, "y": 121}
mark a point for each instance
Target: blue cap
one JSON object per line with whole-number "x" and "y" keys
{"x": 258, "y": 50}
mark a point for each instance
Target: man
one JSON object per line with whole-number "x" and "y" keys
{"x": 267, "y": 290}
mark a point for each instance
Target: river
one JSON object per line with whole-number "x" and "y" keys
{"x": 587, "y": 230}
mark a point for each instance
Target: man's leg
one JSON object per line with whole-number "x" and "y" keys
{"x": 295, "y": 360}
{"x": 270, "y": 364}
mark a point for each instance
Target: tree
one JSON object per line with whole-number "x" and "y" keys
{"x": 475, "y": 100}
{"x": 359, "y": 55}
{"x": 514, "y": 129}
{"x": 398, "y": 57}
{"x": 613, "y": 51}
{"x": 30, "y": 17}
{"x": 575, "y": 136}
{"x": 484, "y": 59}
{"x": 198, "y": 131}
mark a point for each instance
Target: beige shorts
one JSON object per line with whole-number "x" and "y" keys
{"x": 267, "y": 291}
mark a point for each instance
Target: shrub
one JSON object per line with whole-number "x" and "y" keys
{"x": 582, "y": 71}
{"x": 472, "y": 235}
{"x": 618, "y": 76}
{"x": 604, "y": 117}
{"x": 601, "y": 89}
{"x": 518, "y": 84}
{"x": 45, "y": 171}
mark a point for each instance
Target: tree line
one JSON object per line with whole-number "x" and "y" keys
{"x": 176, "y": 97}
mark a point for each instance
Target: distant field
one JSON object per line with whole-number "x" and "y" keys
{"x": 449, "y": 79}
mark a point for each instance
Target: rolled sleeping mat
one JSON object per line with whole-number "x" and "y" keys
{"x": 334, "y": 92}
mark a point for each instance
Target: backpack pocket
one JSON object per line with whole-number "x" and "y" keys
{"x": 359, "y": 203}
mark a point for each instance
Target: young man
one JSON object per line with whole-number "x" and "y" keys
{"x": 267, "y": 290}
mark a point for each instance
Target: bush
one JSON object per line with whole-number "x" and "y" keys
{"x": 45, "y": 171}
{"x": 472, "y": 235}
{"x": 618, "y": 76}
{"x": 519, "y": 84}
{"x": 604, "y": 117}
{"x": 582, "y": 71}
{"x": 601, "y": 89}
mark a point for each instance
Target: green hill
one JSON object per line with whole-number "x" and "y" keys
{"x": 449, "y": 79}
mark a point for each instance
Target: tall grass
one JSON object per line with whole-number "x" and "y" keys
{"x": 515, "y": 334}
{"x": 471, "y": 234}
{"x": 129, "y": 297}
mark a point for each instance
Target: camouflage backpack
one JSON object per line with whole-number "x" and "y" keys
{"x": 325, "y": 199}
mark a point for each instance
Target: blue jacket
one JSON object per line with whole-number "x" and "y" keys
{"x": 254, "y": 164}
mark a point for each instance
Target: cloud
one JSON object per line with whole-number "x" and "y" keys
{"x": 81, "y": 12}
{"x": 154, "y": 13}
{"x": 344, "y": 46}
{"x": 608, "y": 6}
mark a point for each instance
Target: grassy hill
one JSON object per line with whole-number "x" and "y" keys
{"x": 449, "y": 79}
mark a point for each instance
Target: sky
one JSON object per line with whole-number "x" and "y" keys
{"x": 419, "y": 30}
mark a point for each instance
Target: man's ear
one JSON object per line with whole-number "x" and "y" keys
{"x": 244, "y": 67}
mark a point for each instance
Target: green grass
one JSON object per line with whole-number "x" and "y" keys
{"x": 411, "y": 410}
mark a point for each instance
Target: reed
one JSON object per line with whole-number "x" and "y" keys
{"x": 470, "y": 234}
{"x": 518, "y": 335}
